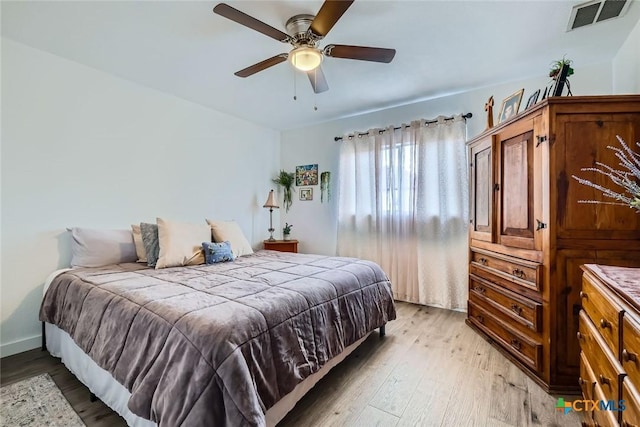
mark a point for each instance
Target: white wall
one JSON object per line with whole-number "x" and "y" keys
{"x": 315, "y": 224}
{"x": 84, "y": 148}
{"x": 626, "y": 64}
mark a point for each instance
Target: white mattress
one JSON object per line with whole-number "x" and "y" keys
{"x": 113, "y": 394}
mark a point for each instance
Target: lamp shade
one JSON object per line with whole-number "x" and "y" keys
{"x": 305, "y": 58}
{"x": 271, "y": 201}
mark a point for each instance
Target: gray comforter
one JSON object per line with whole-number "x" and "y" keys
{"x": 218, "y": 344}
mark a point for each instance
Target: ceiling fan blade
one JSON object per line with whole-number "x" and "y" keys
{"x": 318, "y": 80}
{"x": 263, "y": 65}
{"x": 251, "y": 22}
{"x": 328, "y": 15}
{"x": 362, "y": 53}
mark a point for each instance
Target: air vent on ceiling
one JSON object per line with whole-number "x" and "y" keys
{"x": 596, "y": 11}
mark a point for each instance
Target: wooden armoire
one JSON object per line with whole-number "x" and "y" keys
{"x": 529, "y": 235}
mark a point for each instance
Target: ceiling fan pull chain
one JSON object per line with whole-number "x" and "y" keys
{"x": 295, "y": 93}
{"x": 315, "y": 95}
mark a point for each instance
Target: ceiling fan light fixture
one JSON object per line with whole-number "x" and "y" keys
{"x": 305, "y": 58}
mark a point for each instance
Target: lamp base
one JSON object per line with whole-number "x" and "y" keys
{"x": 271, "y": 239}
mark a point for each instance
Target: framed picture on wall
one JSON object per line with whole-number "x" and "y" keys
{"x": 306, "y": 194}
{"x": 307, "y": 175}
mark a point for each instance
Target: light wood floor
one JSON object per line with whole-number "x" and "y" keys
{"x": 430, "y": 370}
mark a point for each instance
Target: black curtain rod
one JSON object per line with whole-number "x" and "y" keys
{"x": 465, "y": 116}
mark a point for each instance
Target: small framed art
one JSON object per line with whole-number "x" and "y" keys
{"x": 533, "y": 99}
{"x": 306, "y": 194}
{"x": 510, "y": 106}
{"x": 307, "y": 175}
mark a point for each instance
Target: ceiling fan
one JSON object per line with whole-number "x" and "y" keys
{"x": 305, "y": 31}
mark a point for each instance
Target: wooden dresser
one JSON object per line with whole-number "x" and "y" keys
{"x": 609, "y": 337}
{"x": 529, "y": 235}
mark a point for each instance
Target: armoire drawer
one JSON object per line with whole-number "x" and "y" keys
{"x": 603, "y": 312}
{"x": 631, "y": 413}
{"x": 630, "y": 356}
{"x": 512, "y": 306}
{"x": 504, "y": 281}
{"x": 607, "y": 370}
{"x": 509, "y": 267}
{"x": 525, "y": 349}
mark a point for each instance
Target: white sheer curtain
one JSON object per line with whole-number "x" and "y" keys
{"x": 403, "y": 203}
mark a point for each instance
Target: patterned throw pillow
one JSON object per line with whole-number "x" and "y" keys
{"x": 150, "y": 241}
{"x": 217, "y": 252}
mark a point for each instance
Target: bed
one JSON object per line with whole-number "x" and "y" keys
{"x": 235, "y": 343}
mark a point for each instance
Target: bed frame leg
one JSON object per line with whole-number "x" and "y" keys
{"x": 92, "y": 397}
{"x": 44, "y": 338}
{"x": 382, "y": 331}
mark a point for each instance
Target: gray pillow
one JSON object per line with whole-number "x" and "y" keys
{"x": 149, "y": 234}
{"x": 97, "y": 248}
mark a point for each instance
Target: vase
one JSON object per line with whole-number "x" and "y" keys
{"x": 286, "y": 237}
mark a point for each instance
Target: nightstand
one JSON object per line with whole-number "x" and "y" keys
{"x": 282, "y": 245}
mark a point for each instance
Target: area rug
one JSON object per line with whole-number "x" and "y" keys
{"x": 36, "y": 401}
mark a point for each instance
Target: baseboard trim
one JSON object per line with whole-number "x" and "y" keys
{"x": 19, "y": 346}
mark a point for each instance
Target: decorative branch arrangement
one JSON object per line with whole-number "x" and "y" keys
{"x": 285, "y": 179}
{"x": 628, "y": 179}
{"x": 325, "y": 183}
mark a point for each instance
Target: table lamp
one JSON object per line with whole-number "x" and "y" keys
{"x": 271, "y": 204}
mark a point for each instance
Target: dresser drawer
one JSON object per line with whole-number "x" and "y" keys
{"x": 631, "y": 413}
{"x": 604, "y": 418}
{"x": 587, "y": 379}
{"x": 522, "y": 347}
{"x": 525, "y": 273}
{"x": 521, "y": 310}
{"x": 607, "y": 370}
{"x": 630, "y": 355}
{"x": 605, "y": 313}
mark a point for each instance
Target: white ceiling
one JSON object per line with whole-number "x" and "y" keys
{"x": 184, "y": 49}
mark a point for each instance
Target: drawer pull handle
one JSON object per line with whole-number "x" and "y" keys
{"x": 583, "y": 295}
{"x": 579, "y": 335}
{"x": 516, "y": 309}
{"x": 518, "y": 273}
{"x": 515, "y": 343}
{"x": 627, "y": 356}
{"x": 483, "y": 261}
{"x": 604, "y": 324}
{"x": 604, "y": 380}
{"x": 480, "y": 318}
{"x": 479, "y": 289}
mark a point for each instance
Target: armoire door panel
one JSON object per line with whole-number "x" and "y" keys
{"x": 585, "y": 139}
{"x": 482, "y": 191}
{"x": 516, "y": 191}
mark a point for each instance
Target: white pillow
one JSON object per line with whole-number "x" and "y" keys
{"x": 181, "y": 243}
{"x": 137, "y": 239}
{"x": 230, "y": 231}
{"x": 96, "y": 248}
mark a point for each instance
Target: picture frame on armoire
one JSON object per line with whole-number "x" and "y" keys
{"x": 510, "y": 106}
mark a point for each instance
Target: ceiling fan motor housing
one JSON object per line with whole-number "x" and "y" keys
{"x": 298, "y": 28}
